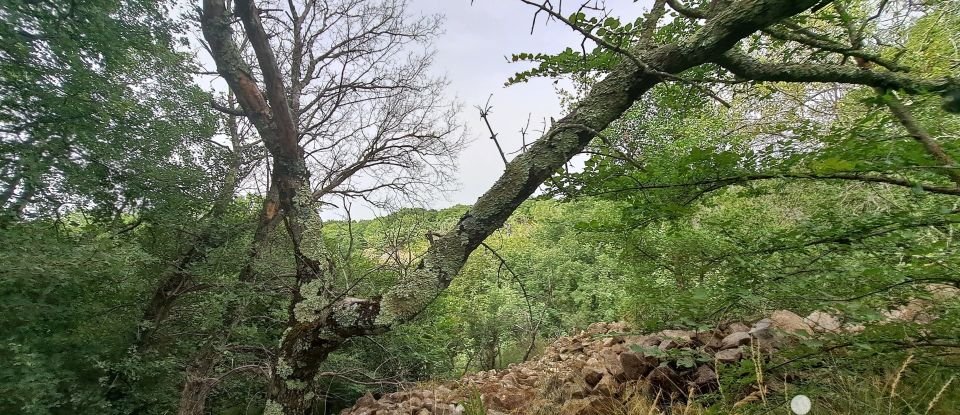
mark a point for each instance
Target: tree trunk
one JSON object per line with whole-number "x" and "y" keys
{"x": 197, "y": 386}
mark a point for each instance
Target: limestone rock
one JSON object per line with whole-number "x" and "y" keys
{"x": 729, "y": 355}
{"x": 667, "y": 380}
{"x": 789, "y": 321}
{"x": 636, "y": 366}
{"x": 822, "y": 321}
{"x": 735, "y": 340}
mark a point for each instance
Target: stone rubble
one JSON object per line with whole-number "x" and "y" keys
{"x": 593, "y": 371}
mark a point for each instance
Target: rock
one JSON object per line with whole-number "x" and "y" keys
{"x": 593, "y": 405}
{"x": 600, "y": 405}
{"x": 762, "y": 329}
{"x": 574, "y": 390}
{"x": 710, "y": 339}
{"x": 705, "y": 379}
{"x": 414, "y": 402}
{"x": 735, "y": 340}
{"x": 789, "y": 321}
{"x": 618, "y": 327}
{"x": 912, "y": 311}
{"x": 618, "y": 348}
{"x": 367, "y": 400}
{"x": 607, "y": 386}
{"x": 574, "y": 347}
{"x": 610, "y": 341}
{"x": 942, "y": 292}
{"x": 633, "y": 389}
{"x": 636, "y": 366}
{"x": 643, "y": 341}
{"x": 597, "y": 328}
{"x": 593, "y": 372}
{"x": 822, "y": 321}
{"x": 682, "y": 337}
{"x": 737, "y": 326}
{"x": 611, "y": 361}
{"x": 729, "y": 355}
{"x": 854, "y": 328}
{"x": 509, "y": 399}
{"x": 667, "y": 380}
{"x": 574, "y": 406}
{"x": 668, "y": 344}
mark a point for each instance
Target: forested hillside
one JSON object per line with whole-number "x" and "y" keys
{"x": 178, "y": 185}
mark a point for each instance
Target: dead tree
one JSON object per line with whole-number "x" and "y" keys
{"x": 340, "y": 96}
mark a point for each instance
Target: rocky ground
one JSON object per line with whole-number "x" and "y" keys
{"x": 601, "y": 367}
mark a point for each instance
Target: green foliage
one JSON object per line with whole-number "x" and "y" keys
{"x": 58, "y": 332}
{"x": 99, "y": 109}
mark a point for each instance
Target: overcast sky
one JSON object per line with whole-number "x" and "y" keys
{"x": 472, "y": 54}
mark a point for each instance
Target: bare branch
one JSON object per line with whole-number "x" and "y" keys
{"x": 485, "y": 116}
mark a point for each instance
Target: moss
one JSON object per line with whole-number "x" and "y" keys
{"x": 410, "y": 296}
{"x": 306, "y": 309}
{"x": 272, "y": 408}
{"x": 283, "y": 368}
{"x": 346, "y": 315}
{"x": 296, "y": 385}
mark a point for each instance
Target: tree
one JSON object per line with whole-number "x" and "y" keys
{"x": 102, "y": 134}
{"x": 343, "y": 102}
{"x": 76, "y": 80}
{"x": 312, "y": 337}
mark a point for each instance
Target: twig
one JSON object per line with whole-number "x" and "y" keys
{"x": 523, "y": 290}
{"x": 484, "y": 115}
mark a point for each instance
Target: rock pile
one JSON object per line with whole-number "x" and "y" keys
{"x": 596, "y": 369}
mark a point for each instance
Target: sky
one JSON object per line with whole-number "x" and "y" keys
{"x": 472, "y": 54}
